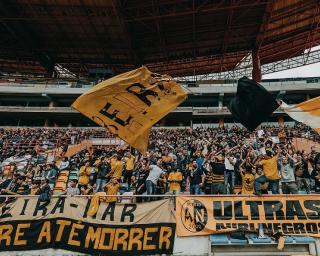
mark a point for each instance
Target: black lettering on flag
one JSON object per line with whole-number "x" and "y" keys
{"x": 41, "y": 206}
{"x": 5, "y": 212}
{"x": 227, "y": 210}
{"x": 143, "y": 93}
{"x": 238, "y": 211}
{"x": 113, "y": 115}
{"x": 312, "y": 228}
{"x": 109, "y": 211}
{"x": 85, "y": 214}
{"x": 271, "y": 208}
{"x": 267, "y": 228}
{"x": 276, "y": 227}
{"x": 254, "y": 209}
{"x": 314, "y": 206}
{"x": 128, "y": 212}
{"x": 59, "y": 204}
{"x": 25, "y": 203}
{"x": 294, "y": 208}
{"x": 299, "y": 228}
{"x": 287, "y": 228}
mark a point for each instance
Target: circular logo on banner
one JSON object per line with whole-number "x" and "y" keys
{"x": 194, "y": 215}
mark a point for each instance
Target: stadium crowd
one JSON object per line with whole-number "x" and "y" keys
{"x": 199, "y": 161}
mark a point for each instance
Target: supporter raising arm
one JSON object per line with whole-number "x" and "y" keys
{"x": 270, "y": 169}
{"x": 84, "y": 175}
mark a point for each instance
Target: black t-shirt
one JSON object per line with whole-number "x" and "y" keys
{"x": 141, "y": 177}
{"x": 195, "y": 176}
{"x": 218, "y": 168}
{"x": 103, "y": 170}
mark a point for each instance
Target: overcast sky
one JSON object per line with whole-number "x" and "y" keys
{"x": 305, "y": 71}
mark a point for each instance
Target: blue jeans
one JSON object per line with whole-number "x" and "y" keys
{"x": 258, "y": 182}
{"x": 151, "y": 189}
{"x": 100, "y": 183}
{"x": 274, "y": 186}
{"x": 195, "y": 189}
{"x": 229, "y": 179}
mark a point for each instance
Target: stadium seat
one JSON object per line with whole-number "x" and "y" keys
{"x": 61, "y": 183}
{"x": 128, "y": 199}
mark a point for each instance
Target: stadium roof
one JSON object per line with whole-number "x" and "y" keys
{"x": 178, "y": 37}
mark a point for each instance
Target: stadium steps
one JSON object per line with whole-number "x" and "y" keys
{"x": 61, "y": 182}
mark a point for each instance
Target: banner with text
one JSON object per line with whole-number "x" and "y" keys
{"x": 290, "y": 215}
{"x": 132, "y": 229}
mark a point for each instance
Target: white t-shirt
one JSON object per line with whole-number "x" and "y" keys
{"x": 155, "y": 173}
{"x": 227, "y": 163}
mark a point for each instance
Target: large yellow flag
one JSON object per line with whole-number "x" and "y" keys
{"x": 307, "y": 112}
{"x": 129, "y": 104}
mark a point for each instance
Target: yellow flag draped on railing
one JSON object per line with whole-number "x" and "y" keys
{"x": 129, "y": 104}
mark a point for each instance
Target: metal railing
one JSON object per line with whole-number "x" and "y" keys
{"x": 167, "y": 195}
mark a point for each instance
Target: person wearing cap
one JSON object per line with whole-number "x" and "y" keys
{"x": 116, "y": 168}
{"x": 111, "y": 188}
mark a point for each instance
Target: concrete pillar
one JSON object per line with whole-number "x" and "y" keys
{"x": 221, "y": 95}
{"x": 256, "y": 67}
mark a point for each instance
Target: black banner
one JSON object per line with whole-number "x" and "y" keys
{"x": 116, "y": 229}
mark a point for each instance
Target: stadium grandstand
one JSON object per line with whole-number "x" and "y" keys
{"x": 205, "y": 183}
